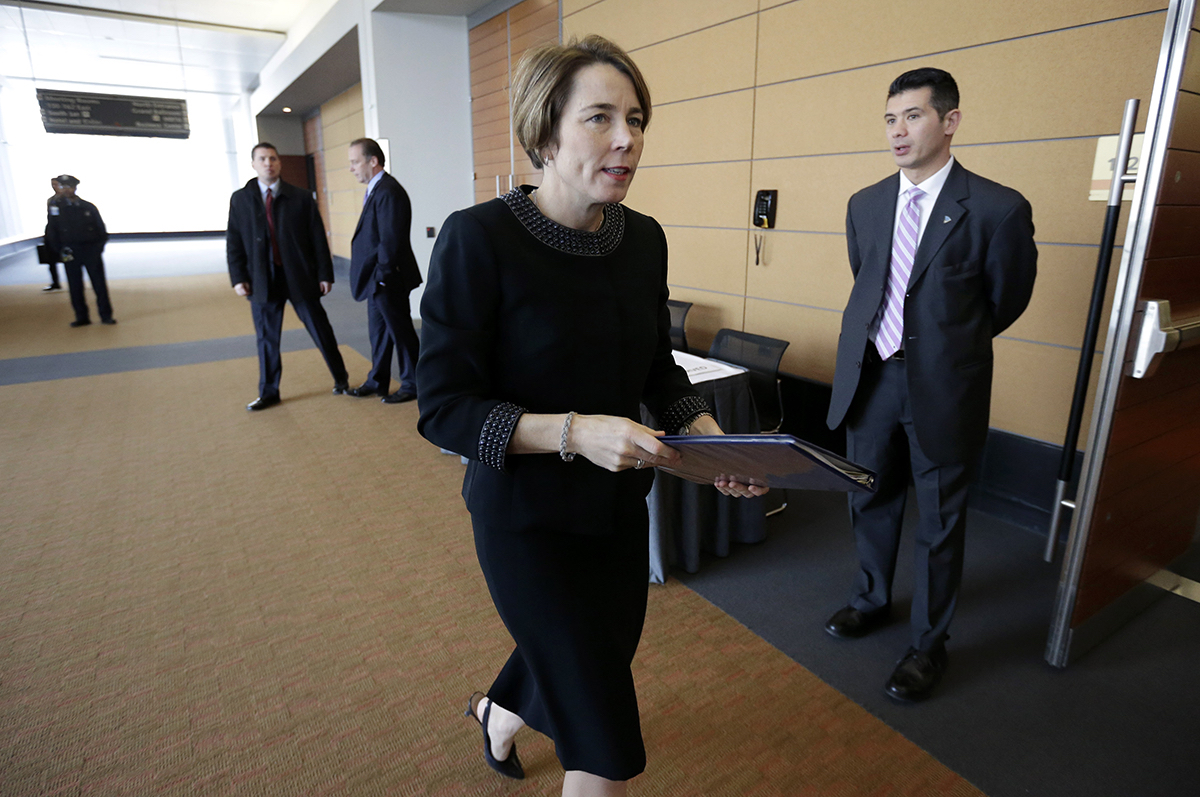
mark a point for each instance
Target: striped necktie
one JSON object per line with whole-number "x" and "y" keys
{"x": 904, "y": 250}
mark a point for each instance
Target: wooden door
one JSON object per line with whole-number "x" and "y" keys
{"x": 1139, "y": 497}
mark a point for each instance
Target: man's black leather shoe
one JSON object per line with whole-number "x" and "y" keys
{"x": 81, "y": 323}
{"x": 109, "y": 321}
{"x": 399, "y": 397}
{"x": 362, "y": 391}
{"x": 340, "y": 387}
{"x": 261, "y": 403}
{"x": 917, "y": 674}
{"x": 850, "y": 623}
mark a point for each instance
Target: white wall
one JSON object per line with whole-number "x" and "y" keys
{"x": 139, "y": 184}
{"x": 420, "y": 72}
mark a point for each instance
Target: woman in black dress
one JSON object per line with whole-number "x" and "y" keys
{"x": 544, "y": 326}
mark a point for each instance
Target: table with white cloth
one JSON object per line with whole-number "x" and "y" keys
{"x": 687, "y": 518}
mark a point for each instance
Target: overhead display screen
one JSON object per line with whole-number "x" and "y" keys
{"x": 112, "y": 114}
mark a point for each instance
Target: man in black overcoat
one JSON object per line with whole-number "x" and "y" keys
{"x": 276, "y": 250}
{"x": 75, "y": 230}
{"x": 383, "y": 271}
{"x": 943, "y": 261}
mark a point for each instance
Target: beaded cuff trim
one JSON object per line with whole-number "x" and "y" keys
{"x": 565, "y": 239}
{"x": 683, "y": 412}
{"x": 497, "y": 429}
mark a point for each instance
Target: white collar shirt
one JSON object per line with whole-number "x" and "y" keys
{"x": 263, "y": 188}
{"x": 371, "y": 185}
{"x": 932, "y": 186}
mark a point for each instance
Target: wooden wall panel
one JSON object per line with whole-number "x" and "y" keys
{"x": 718, "y": 59}
{"x": 813, "y": 334}
{"x": 1186, "y": 134}
{"x": 1178, "y": 278}
{"x": 1058, "y": 309}
{"x": 710, "y": 311}
{"x": 714, "y": 259}
{"x": 706, "y": 130}
{"x": 1032, "y": 388}
{"x": 801, "y": 268}
{"x": 1191, "y": 69}
{"x": 813, "y": 191}
{"x": 704, "y": 195}
{"x": 1181, "y": 185}
{"x": 794, "y": 41}
{"x": 342, "y": 121}
{"x": 1092, "y": 80}
{"x": 637, "y": 23}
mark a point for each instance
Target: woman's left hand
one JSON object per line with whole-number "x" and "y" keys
{"x": 707, "y": 425}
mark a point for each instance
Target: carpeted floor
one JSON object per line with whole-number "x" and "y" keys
{"x": 199, "y": 600}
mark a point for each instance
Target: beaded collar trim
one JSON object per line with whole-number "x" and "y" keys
{"x": 565, "y": 239}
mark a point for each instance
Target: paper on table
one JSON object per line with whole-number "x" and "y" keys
{"x": 772, "y": 460}
{"x": 701, "y": 369}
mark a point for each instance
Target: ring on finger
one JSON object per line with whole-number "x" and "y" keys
{"x": 640, "y": 464}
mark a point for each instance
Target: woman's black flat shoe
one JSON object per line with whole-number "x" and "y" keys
{"x": 510, "y": 767}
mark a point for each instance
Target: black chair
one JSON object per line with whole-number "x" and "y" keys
{"x": 760, "y": 356}
{"x": 679, "y": 311}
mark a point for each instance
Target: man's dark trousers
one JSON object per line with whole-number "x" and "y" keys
{"x": 880, "y": 436}
{"x": 95, "y": 269}
{"x": 268, "y": 326}
{"x": 390, "y": 326}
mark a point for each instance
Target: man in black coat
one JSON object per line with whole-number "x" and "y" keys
{"x": 276, "y": 250}
{"x": 383, "y": 271}
{"x": 76, "y": 232}
{"x": 943, "y": 261}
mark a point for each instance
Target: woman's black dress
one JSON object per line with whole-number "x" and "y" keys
{"x": 521, "y": 314}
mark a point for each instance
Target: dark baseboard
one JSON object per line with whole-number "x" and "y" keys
{"x": 1017, "y": 474}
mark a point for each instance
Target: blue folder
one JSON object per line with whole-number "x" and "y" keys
{"x": 771, "y": 460}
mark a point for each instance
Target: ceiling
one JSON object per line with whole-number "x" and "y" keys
{"x": 211, "y": 46}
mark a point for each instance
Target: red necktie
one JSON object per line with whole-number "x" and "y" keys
{"x": 276, "y": 259}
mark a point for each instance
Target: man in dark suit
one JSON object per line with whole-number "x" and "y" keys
{"x": 943, "y": 261}
{"x": 383, "y": 271}
{"x": 276, "y": 250}
{"x": 76, "y": 232}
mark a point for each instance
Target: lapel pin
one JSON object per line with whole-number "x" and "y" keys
{"x": 946, "y": 220}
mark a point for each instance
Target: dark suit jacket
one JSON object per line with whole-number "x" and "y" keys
{"x": 302, "y": 244}
{"x": 972, "y": 277}
{"x": 381, "y": 250}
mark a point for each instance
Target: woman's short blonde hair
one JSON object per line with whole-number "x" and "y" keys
{"x": 543, "y": 80}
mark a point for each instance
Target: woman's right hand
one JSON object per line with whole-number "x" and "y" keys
{"x": 616, "y": 443}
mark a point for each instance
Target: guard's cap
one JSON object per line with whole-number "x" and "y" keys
{"x": 66, "y": 179}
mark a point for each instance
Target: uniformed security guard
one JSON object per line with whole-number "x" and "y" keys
{"x": 76, "y": 231}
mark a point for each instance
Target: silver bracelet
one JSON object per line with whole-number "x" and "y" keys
{"x": 562, "y": 444}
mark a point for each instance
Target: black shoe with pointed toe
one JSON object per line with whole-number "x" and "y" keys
{"x": 510, "y": 767}
{"x": 917, "y": 674}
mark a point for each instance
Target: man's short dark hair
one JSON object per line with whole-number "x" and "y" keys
{"x": 942, "y": 88}
{"x": 370, "y": 149}
{"x": 263, "y": 145}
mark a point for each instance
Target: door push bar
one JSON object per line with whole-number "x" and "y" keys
{"x": 1157, "y": 336}
{"x": 1087, "y": 353}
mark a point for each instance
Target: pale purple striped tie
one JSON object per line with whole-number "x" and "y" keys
{"x": 904, "y": 251}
